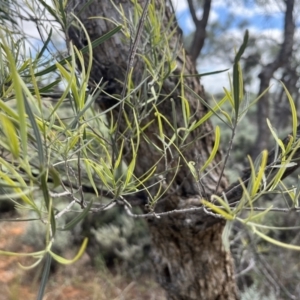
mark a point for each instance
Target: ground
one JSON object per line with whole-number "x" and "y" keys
{"x": 79, "y": 281}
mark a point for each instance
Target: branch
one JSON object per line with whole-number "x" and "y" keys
{"x": 200, "y": 34}
{"x": 235, "y": 191}
{"x": 267, "y": 270}
{"x": 282, "y": 60}
{"x": 193, "y": 12}
{"x": 152, "y": 214}
{"x": 286, "y": 49}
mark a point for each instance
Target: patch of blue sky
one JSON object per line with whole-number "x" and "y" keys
{"x": 258, "y": 20}
{"x": 185, "y": 21}
{"x": 267, "y": 21}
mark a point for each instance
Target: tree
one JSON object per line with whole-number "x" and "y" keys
{"x": 190, "y": 260}
{"x": 200, "y": 33}
{"x": 282, "y": 60}
{"x": 188, "y": 253}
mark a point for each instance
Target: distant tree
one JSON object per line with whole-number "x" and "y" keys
{"x": 281, "y": 57}
{"x": 282, "y": 60}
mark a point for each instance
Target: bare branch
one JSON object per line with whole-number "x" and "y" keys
{"x": 200, "y": 34}
{"x": 193, "y": 12}
{"x": 266, "y": 75}
{"x": 245, "y": 271}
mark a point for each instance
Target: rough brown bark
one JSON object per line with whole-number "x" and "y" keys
{"x": 188, "y": 254}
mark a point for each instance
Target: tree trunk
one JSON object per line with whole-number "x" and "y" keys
{"x": 265, "y": 76}
{"x": 187, "y": 250}
{"x": 200, "y": 32}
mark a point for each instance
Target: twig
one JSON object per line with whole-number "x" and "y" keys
{"x": 153, "y": 214}
{"x": 268, "y": 272}
{"x": 245, "y": 271}
{"x": 129, "y": 66}
{"x": 65, "y": 210}
{"x": 105, "y": 207}
{"x": 57, "y": 195}
{"x": 227, "y": 154}
{"x": 79, "y": 175}
{"x": 275, "y": 209}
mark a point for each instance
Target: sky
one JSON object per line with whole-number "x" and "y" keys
{"x": 264, "y": 20}
{"x": 267, "y": 20}
{"x": 268, "y": 16}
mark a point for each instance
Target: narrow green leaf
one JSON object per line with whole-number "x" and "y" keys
{"x": 252, "y": 178}
{"x": 20, "y": 101}
{"x": 217, "y": 210}
{"x": 13, "y": 185}
{"x": 84, "y": 50}
{"x": 237, "y": 75}
{"x": 17, "y": 254}
{"x": 54, "y": 175}
{"x": 201, "y": 74}
{"x": 212, "y": 110}
{"x": 47, "y": 200}
{"x": 284, "y": 162}
{"x": 32, "y": 266}
{"x": 236, "y": 88}
{"x": 8, "y": 110}
{"x": 293, "y": 110}
{"x": 119, "y": 158}
{"x": 62, "y": 12}
{"x": 159, "y": 122}
{"x": 45, "y": 277}
{"x": 275, "y": 242}
{"x": 90, "y": 175}
{"x": 64, "y": 261}
{"x": 174, "y": 119}
{"x": 130, "y": 170}
{"x": 277, "y": 139}
{"x": 87, "y": 105}
{"x": 45, "y": 45}
{"x": 223, "y": 203}
{"x": 260, "y": 173}
{"x": 48, "y": 87}
{"x": 11, "y": 135}
{"x": 77, "y": 219}
{"x": 243, "y": 47}
{"x": 214, "y": 150}
{"x": 36, "y": 132}
{"x": 191, "y": 165}
{"x": 297, "y": 193}
{"x": 65, "y": 93}
{"x": 51, "y": 11}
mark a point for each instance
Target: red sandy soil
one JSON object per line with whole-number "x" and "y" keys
{"x": 79, "y": 281}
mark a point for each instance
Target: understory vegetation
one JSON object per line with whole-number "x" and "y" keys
{"x": 62, "y": 165}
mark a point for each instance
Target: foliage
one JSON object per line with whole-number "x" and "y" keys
{"x": 254, "y": 293}
{"x": 54, "y": 151}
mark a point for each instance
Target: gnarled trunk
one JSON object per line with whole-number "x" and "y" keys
{"x": 187, "y": 251}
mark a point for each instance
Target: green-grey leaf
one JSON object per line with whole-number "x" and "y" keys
{"x": 84, "y": 50}
{"x": 77, "y": 219}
